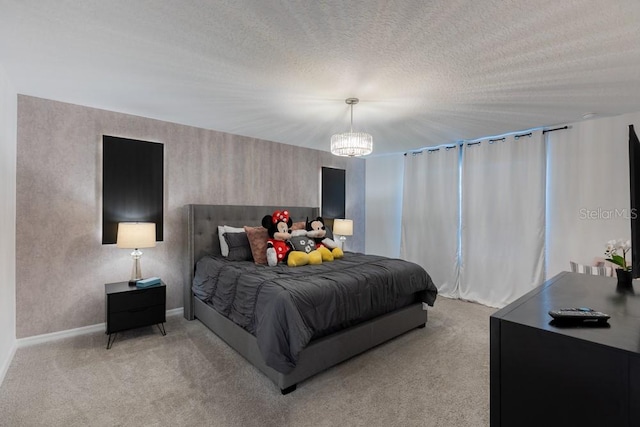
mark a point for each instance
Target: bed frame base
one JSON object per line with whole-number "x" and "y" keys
{"x": 288, "y": 389}
{"x": 320, "y": 354}
{"x": 202, "y": 239}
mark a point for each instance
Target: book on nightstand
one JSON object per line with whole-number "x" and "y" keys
{"x": 145, "y": 283}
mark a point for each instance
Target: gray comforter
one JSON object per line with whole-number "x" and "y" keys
{"x": 285, "y": 307}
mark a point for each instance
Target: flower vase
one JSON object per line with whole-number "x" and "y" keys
{"x": 625, "y": 281}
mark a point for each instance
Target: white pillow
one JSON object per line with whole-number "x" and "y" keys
{"x": 224, "y": 248}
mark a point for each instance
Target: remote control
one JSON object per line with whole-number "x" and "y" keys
{"x": 578, "y": 314}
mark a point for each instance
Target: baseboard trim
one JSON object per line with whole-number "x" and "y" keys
{"x": 175, "y": 312}
{"x": 5, "y": 367}
{"x": 54, "y": 336}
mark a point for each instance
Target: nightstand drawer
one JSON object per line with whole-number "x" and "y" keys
{"x": 140, "y": 298}
{"x": 134, "y": 318}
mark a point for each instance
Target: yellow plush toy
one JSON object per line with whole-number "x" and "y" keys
{"x": 305, "y": 244}
{"x": 326, "y": 246}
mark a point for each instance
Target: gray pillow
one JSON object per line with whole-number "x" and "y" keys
{"x": 224, "y": 248}
{"x": 329, "y": 234}
{"x": 239, "y": 248}
{"x": 303, "y": 244}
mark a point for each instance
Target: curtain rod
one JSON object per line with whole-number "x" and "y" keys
{"x": 429, "y": 150}
{"x": 479, "y": 141}
{"x": 521, "y": 135}
{"x": 553, "y": 130}
{"x": 448, "y": 147}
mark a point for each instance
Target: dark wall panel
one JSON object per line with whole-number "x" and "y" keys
{"x": 333, "y": 193}
{"x": 132, "y": 188}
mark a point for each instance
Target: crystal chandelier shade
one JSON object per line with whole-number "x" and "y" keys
{"x": 351, "y": 144}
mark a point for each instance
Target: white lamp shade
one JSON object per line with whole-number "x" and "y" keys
{"x": 343, "y": 227}
{"x": 136, "y": 235}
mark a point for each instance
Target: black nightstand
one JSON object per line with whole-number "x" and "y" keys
{"x": 128, "y": 307}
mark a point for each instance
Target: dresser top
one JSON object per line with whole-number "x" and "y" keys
{"x": 114, "y": 288}
{"x": 581, "y": 290}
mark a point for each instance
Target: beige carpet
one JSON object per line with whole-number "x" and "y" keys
{"x": 436, "y": 376}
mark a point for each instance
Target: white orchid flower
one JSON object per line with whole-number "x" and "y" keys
{"x": 612, "y": 254}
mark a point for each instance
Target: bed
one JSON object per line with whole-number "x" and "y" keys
{"x": 293, "y": 355}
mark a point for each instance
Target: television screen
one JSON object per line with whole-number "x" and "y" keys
{"x": 634, "y": 185}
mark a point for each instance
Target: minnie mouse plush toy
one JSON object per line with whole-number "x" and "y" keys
{"x": 279, "y": 248}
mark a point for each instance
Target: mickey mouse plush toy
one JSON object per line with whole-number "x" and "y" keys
{"x": 327, "y": 247}
{"x": 279, "y": 248}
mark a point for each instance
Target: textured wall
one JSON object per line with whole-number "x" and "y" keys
{"x": 61, "y": 265}
{"x": 384, "y": 186}
{"x": 7, "y": 222}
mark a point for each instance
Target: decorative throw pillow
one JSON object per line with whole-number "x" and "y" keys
{"x": 239, "y": 248}
{"x": 258, "y": 241}
{"x": 328, "y": 225}
{"x": 224, "y": 248}
{"x": 329, "y": 232}
{"x": 587, "y": 269}
{"x": 303, "y": 243}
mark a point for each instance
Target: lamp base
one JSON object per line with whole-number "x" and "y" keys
{"x": 342, "y": 240}
{"x": 136, "y": 271}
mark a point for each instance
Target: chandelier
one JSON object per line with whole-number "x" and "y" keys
{"x": 351, "y": 144}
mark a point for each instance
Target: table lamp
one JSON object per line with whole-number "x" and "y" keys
{"x": 136, "y": 235}
{"x": 343, "y": 228}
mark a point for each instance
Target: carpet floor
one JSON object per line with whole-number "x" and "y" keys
{"x": 436, "y": 376}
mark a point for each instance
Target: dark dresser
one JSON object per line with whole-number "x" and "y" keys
{"x": 543, "y": 374}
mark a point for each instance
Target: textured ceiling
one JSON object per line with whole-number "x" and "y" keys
{"x": 426, "y": 72}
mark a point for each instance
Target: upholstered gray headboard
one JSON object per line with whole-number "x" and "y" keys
{"x": 202, "y": 229}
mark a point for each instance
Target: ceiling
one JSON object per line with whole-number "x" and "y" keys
{"x": 426, "y": 72}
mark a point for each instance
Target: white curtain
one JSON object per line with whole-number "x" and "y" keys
{"x": 588, "y": 191}
{"x": 430, "y": 215}
{"x": 503, "y": 219}
{"x": 564, "y": 192}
